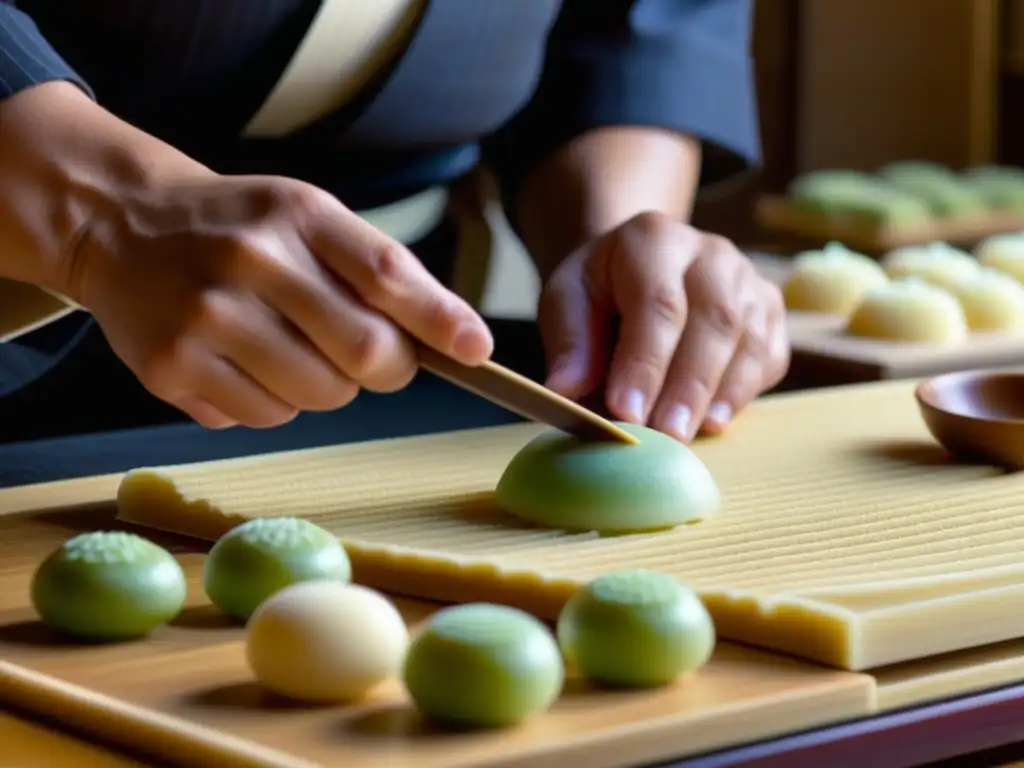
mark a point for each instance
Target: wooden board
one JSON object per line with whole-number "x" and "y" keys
{"x": 840, "y": 548}
{"x": 187, "y": 695}
{"x": 37, "y": 746}
{"x": 822, "y": 355}
{"x": 776, "y": 213}
{"x": 142, "y": 679}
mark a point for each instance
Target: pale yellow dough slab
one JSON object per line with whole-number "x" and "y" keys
{"x": 845, "y": 534}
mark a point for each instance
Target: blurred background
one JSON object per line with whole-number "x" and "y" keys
{"x": 861, "y": 83}
{"x": 851, "y": 84}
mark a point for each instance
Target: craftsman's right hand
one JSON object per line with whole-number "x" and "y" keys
{"x": 244, "y": 300}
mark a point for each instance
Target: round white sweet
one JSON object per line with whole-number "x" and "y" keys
{"x": 322, "y": 641}
{"x": 909, "y": 309}
{"x": 991, "y": 300}
{"x": 1003, "y": 252}
{"x": 937, "y": 263}
{"x": 831, "y": 281}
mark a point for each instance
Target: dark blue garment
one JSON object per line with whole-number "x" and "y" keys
{"x": 507, "y": 79}
{"x": 195, "y": 71}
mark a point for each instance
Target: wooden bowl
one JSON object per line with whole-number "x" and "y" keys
{"x": 977, "y": 415}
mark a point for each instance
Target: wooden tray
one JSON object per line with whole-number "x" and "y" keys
{"x": 186, "y": 695}
{"x": 776, "y": 213}
{"x": 157, "y": 695}
{"x": 823, "y": 354}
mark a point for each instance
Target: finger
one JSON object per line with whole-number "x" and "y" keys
{"x": 388, "y": 277}
{"x": 709, "y": 342}
{"x": 264, "y": 346}
{"x": 779, "y": 351}
{"x": 362, "y": 344}
{"x": 236, "y": 395}
{"x": 203, "y": 413}
{"x": 576, "y": 334}
{"x": 645, "y": 281}
{"x": 744, "y": 377}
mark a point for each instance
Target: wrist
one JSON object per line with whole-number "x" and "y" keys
{"x": 66, "y": 163}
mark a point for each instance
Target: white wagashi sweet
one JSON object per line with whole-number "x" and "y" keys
{"x": 909, "y": 309}
{"x": 832, "y": 280}
{"x": 937, "y": 263}
{"x": 991, "y": 300}
{"x": 1003, "y": 252}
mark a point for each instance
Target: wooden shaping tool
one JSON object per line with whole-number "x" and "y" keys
{"x": 520, "y": 395}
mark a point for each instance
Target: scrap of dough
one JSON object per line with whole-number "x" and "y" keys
{"x": 832, "y": 280}
{"x": 909, "y": 310}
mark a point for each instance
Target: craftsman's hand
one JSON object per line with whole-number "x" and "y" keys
{"x": 244, "y": 300}
{"x": 701, "y": 333}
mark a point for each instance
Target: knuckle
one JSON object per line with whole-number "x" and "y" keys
{"x": 389, "y": 272}
{"x": 293, "y": 199}
{"x": 667, "y": 301}
{"x": 651, "y": 223}
{"x": 164, "y": 369}
{"x": 370, "y": 351}
{"x": 718, "y": 244}
{"x": 210, "y": 315}
{"x": 724, "y": 317}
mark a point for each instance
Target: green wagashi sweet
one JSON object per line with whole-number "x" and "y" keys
{"x": 258, "y": 558}
{"x": 559, "y": 481}
{"x": 108, "y": 585}
{"x": 635, "y": 629}
{"x": 483, "y": 665}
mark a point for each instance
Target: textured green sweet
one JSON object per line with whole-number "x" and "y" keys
{"x": 253, "y": 561}
{"x": 635, "y": 629}
{"x": 108, "y": 585}
{"x": 558, "y": 481}
{"x": 916, "y": 169}
{"x": 483, "y": 666}
{"x": 944, "y": 195}
{"x": 868, "y": 202}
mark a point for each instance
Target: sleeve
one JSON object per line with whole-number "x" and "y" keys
{"x": 683, "y": 65}
{"x": 26, "y": 59}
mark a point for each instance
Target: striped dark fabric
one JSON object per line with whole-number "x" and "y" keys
{"x": 509, "y": 80}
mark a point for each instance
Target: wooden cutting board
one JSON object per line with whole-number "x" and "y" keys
{"x": 186, "y": 693}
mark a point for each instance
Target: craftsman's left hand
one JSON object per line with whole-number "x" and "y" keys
{"x": 701, "y": 332}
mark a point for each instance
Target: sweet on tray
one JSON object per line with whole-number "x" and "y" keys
{"x": 931, "y": 293}
{"x": 900, "y": 204}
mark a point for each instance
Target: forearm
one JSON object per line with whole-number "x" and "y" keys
{"x": 63, "y": 160}
{"x": 600, "y": 180}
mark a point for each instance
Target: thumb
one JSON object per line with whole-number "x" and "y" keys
{"x": 576, "y": 332}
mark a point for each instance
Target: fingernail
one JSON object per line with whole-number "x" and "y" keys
{"x": 678, "y": 421}
{"x": 720, "y": 413}
{"x": 563, "y": 376}
{"x": 633, "y": 406}
{"x": 471, "y": 346}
